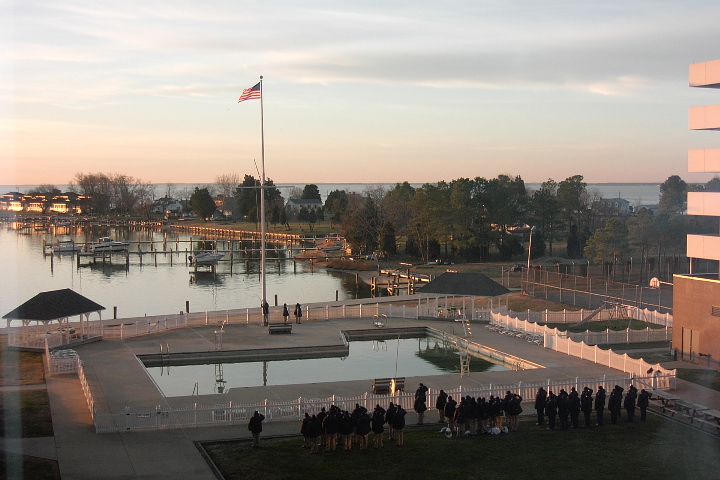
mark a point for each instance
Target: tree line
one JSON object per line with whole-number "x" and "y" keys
{"x": 463, "y": 220}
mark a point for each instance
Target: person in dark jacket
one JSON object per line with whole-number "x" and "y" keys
{"x": 363, "y": 426}
{"x": 472, "y": 414}
{"x": 551, "y": 410}
{"x": 575, "y": 407}
{"x": 286, "y": 314}
{"x": 563, "y": 403}
{"x": 389, "y": 414}
{"x": 399, "y": 425}
{"x": 615, "y": 404}
{"x": 314, "y": 430}
{"x": 629, "y": 403}
{"x": 483, "y": 415}
{"x": 265, "y": 312}
{"x": 450, "y": 407}
{"x": 540, "y": 401}
{"x": 440, "y": 405}
{"x": 346, "y": 430}
{"x": 642, "y": 403}
{"x": 586, "y": 404}
{"x": 514, "y": 410}
{"x": 600, "y": 404}
{"x": 461, "y": 417}
{"x": 331, "y": 426}
{"x": 304, "y": 430}
{"x": 298, "y": 313}
{"x": 377, "y": 423}
{"x": 420, "y": 403}
{"x": 255, "y": 427}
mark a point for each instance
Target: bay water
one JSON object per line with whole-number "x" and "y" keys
{"x": 158, "y": 284}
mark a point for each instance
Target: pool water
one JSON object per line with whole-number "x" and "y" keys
{"x": 409, "y": 357}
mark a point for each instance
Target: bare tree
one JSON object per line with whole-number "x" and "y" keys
{"x": 226, "y": 185}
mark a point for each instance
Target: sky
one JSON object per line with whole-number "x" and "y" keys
{"x": 364, "y": 92}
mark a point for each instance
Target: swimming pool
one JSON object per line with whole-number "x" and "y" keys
{"x": 370, "y": 359}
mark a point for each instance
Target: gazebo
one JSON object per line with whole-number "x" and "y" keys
{"x": 48, "y": 307}
{"x": 473, "y": 285}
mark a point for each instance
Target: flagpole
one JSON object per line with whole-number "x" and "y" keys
{"x": 262, "y": 201}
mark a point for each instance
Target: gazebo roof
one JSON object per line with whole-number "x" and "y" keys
{"x": 467, "y": 284}
{"x": 54, "y": 305}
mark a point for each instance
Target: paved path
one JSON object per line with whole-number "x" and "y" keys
{"x": 118, "y": 380}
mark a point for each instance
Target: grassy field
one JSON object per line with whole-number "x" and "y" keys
{"x": 19, "y": 466}
{"x": 657, "y": 448}
{"x": 706, "y": 378}
{"x": 19, "y": 368}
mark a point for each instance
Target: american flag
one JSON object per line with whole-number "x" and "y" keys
{"x": 250, "y": 93}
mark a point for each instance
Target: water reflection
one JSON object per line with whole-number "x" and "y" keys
{"x": 157, "y": 282}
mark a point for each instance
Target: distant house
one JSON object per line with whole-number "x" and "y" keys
{"x": 11, "y": 201}
{"x": 294, "y": 205}
{"x": 166, "y": 204}
{"x": 612, "y": 207}
{"x": 69, "y": 202}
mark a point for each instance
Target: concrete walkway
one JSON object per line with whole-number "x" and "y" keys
{"x": 118, "y": 380}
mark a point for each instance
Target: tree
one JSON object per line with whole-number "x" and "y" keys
{"x": 303, "y": 215}
{"x": 362, "y": 226}
{"x": 227, "y": 184}
{"x": 283, "y": 218}
{"x": 336, "y": 203}
{"x": 97, "y": 187}
{"x": 202, "y": 203}
{"x": 396, "y": 206}
{"x": 311, "y": 219}
{"x": 275, "y": 215}
{"x": 609, "y": 245}
{"x": 545, "y": 211}
{"x": 673, "y": 195}
{"x": 311, "y": 192}
{"x": 572, "y": 200}
{"x": 388, "y": 242}
{"x": 641, "y": 231}
{"x": 713, "y": 185}
{"x": 574, "y": 245}
{"x": 247, "y": 196}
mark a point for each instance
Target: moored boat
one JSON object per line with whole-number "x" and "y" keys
{"x": 206, "y": 258}
{"x": 108, "y": 245}
{"x": 66, "y": 246}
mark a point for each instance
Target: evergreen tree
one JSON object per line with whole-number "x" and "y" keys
{"x": 202, "y": 203}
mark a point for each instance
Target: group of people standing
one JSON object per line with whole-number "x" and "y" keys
{"x": 297, "y": 312}
{"x": 327, "y": 428}
{"x": 566, "y": 407}
{"x": 478, "y": 415}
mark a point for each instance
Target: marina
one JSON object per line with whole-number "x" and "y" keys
{"x": 152, "y": 277}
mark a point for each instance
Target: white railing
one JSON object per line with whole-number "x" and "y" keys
{"x": 36, "y": 336}
{"x": 235, "y": 414}
{"x": 564, "y": 343}
{"x": 576, "y": 316}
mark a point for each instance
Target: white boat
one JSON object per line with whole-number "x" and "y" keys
{"x": 206, "y": 258}
{"x": 66, "y": 246}
{"x": 108, "y": 245}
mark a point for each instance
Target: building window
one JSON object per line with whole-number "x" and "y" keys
{"x": 715, "y": 311}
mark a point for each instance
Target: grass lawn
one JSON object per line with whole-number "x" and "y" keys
{"x": 19, "y": 368}
{"x": 657, "y": 448}
{"x": 22, "y": 466}
{"x": 706, "y": 378}
{"x": 25, "y": 414}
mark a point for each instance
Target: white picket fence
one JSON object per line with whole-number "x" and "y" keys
{"x": 576, "y": 316}
{"x": 231, "y": 413}
{"x": 564, "y": 343}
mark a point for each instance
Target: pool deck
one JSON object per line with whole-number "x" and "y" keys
{"x": 118, "y": 380}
